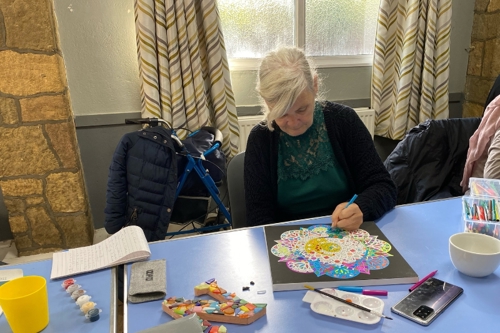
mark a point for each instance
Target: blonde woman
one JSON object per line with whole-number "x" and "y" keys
{"x": 308, "y": 157}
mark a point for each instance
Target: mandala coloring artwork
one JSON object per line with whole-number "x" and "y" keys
{"x": 337, "y": 253}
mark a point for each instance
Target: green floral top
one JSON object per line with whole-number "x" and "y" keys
{"x": 310, "y": 180}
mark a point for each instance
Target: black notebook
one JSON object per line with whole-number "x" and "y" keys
{"x": 323, "y": 257}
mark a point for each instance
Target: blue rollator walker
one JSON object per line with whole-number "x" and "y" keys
{"x": 186, "y": 149}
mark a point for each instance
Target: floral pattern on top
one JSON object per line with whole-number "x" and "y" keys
{"x": 337, "y": 253}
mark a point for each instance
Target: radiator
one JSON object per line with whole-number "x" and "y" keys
{"x": 246, "y": 124}
{"x": 367, "y": 116}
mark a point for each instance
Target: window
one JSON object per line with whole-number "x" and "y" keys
{"x": 334, "y": 32}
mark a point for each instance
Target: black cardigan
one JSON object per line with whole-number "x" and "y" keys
{"x": 354, "y": 149}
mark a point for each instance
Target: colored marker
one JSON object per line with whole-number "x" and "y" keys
{"x": 351, "y": 201}
{"x": 431, "y": 274}
{"x": 467, "y": 210}
{"x": 363, "y": 291}
{"x": 481, "y": 213}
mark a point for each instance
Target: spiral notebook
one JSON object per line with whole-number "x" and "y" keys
{"x": 127, "y": 245}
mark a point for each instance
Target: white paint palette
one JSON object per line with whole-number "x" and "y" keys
{"x": 330, "y": 307}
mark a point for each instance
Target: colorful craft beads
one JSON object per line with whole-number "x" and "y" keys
{"x": 86, "y": 307}
{"x": 77, "y": 293}
{"x": 93, "y": 314}
{"x": 83, "y": 299}
{"x": 72, "y": 288}
{"x": 68, "y": 282}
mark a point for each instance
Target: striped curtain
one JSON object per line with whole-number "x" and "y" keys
{"x": 411, "y": 64}
{"x": 183, "y": 67}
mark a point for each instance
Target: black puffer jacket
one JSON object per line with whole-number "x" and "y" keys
{"x": 429, "y": 162}
{"x": 142, "y": 182}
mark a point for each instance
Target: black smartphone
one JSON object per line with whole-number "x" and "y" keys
{"x": 427, "y": 301}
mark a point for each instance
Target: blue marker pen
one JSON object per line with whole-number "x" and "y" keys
{"x": 467, "y": 210}
{"x": 363, "y": 291}
{"x": 351, "y": 201}
{"x": 350, "y": 289}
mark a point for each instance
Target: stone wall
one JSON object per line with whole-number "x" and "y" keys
{"x": 484, "y": 56}
{"x": 40, "y": 168}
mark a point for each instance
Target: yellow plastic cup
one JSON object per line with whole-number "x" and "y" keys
{"x": 25, "y": 303}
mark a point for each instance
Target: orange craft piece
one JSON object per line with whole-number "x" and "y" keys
{"x": 228, "y": 308}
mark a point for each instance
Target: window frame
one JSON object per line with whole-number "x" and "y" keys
{"x": 364, "y": 60}
{"x": 249, "y": 64}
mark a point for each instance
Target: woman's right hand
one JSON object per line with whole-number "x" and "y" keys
{"x": 349, "y": 218}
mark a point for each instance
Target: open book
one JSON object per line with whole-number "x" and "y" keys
{"x": 127, "y": 245}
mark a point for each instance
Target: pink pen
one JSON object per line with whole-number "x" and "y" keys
{"x": 431, "y": 274}
{"x": 374, "y": 292}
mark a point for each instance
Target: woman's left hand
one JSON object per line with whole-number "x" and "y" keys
{"x": 349, "y": 218}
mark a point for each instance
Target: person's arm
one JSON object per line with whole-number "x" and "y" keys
{"x": 492, "y": 166}
{"x": 260, "y": 201}
{"x": 376, "y": 191}
{"x": 116, "y": 193}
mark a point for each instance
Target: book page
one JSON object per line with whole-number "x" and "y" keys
{"x": 128, "y": 244}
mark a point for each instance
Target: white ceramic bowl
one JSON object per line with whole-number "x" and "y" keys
{"x": 474, "y": 254}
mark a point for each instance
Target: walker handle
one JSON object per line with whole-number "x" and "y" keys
{"x": 176, "y": 139}
{"x": 218, "y": 136}
{"x": 217, "y": 139}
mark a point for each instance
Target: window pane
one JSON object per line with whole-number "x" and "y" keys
{"x": 253, "y": 28}
{"x": 340, "y": 27}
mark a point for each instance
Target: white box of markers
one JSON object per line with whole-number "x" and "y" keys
{"x": 481, "y": 209}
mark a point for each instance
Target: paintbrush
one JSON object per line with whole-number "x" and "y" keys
{"x": 347, "y": 302}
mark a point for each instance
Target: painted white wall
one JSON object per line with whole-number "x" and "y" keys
{"x": 97, "y": 39}
{"x": 336, "y": 84}
{"x": 99, "y": 48}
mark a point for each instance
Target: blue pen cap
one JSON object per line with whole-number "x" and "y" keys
{"x": 351, "y": 289}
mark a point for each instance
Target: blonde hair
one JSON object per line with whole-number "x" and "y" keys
{"x": 283, "y": 75}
